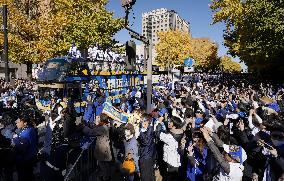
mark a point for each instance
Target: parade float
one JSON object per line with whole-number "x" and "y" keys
{"x": 76, "y": 78}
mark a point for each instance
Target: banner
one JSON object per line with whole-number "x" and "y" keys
{"x": 116, "y": 85}
{"x": 113, "y": 113}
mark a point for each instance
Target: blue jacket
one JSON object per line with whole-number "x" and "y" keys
{"x": 195, "y": 172}
{"x": 147, "y": 145}
{"x": 26, "y": 145}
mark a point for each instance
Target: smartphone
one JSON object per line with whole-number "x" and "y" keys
{"x": 267, "y": 146}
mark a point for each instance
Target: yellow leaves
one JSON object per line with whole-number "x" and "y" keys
{"x": 204, "y": 52}
{"x": 228, "y": 65}
{"x": 173, "y": 48}
{"x": 44, "y": 29}
{"x": 229, "y": 11}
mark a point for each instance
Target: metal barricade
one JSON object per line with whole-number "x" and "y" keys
{"x": 84, "y": 167}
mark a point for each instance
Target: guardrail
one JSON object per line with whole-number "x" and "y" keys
{"x": 84, "y": 166}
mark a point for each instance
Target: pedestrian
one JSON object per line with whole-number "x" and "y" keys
{"x": 131, "y": 152}
{"x": 147, "y": 149}
{"x": 102, "y": 150}
{"x": 25, "y": 146}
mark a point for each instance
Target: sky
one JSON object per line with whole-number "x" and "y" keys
{"x": 196, "y": 12}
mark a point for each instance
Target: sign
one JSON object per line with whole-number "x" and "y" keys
{"x": 189, "y": 62}
{"x": 188, "y": 69}
{"x": 113, "y": 113}
{"x": 115, "y": 86}
{"x": 155, "y": 79}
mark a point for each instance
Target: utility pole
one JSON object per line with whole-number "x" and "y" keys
{"x": 149, "y": 78}
{"x": 5, "y": 51}
{"x": 127, "y": 4}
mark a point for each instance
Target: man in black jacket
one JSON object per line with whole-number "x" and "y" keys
{"x": 147, "y": 149}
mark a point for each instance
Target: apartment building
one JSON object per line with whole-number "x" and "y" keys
{"x": 162, "y": 20}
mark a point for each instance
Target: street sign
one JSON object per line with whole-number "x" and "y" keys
{"x": 188, "y": 69}
{"x": 189, "y": 62}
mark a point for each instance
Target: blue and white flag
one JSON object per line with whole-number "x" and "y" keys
{"x": 113, "y": 113}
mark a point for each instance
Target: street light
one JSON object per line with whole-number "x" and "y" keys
{"x": 127, "y": 5}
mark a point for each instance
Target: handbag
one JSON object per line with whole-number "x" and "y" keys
{"x": 129, "y": 165}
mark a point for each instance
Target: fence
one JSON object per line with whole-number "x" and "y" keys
{"x": 84, "y": 166}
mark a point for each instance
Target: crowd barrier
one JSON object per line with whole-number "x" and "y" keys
{"x": 84, "y": 167}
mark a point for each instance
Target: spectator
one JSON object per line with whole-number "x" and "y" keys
{"x": 25, "y": 145}
{"x": 147, "y": 149}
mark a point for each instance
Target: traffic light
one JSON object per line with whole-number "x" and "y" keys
{"x": 130, "y": 53}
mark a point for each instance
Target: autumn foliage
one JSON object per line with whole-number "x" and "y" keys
{"x": 173, "y": 48}
{"x": 254, "y": 32}
{"x": 228, "y": 65}
{"x": 204, "y": 52}
{"x": 41, "y": 29}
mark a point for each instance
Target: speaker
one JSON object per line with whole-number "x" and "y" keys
{"x": 131, "y": 51}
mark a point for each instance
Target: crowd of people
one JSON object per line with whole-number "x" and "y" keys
{"x": 206, "y": 127}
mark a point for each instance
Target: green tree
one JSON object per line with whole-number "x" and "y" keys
{"x": 254, "y": 31}
{"x": 228, "y": 65}
{"x": 204, "y": 52}
{"x": 173, "y": 48}
{"x": 41, "y": 29}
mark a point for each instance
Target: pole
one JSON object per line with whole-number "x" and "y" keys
{"x": 173, "y": 81}
{"x": 149, "y": 78}
{"x": 5, "y": 51}
{"x": 145, "y": 56}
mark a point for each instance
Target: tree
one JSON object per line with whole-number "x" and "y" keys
{"x": 228, "y": 65}
{"x": 41, "y": 29}
{"x": 254, "y": 31}
{"x": 204, "y": 52}
{"x": 173, "y": 48}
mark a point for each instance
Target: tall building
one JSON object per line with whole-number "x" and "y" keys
{"x": 162, "y": 20}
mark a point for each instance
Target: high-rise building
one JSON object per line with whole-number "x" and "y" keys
{"x": 162, "y": 20}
